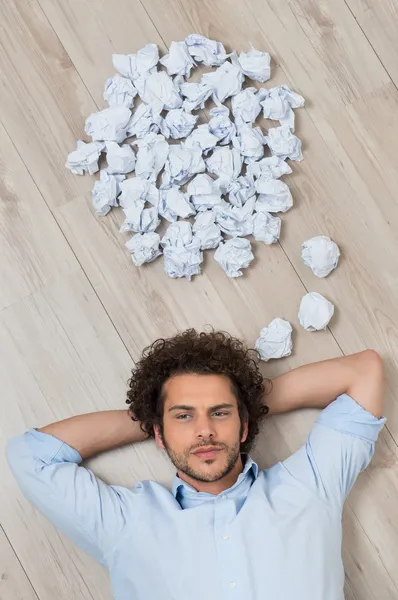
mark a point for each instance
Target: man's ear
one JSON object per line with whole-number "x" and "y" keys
{"x": 245, "y": 432}
{"x": 158, "y": 437}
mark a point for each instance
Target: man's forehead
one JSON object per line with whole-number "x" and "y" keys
{"x": 203, "y": 389}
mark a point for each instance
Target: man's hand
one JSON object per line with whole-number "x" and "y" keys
{"x": 317, "y": 385}
{"x": 96, "y": 432}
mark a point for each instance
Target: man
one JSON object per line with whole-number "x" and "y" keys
{"x": 226, "y": 529}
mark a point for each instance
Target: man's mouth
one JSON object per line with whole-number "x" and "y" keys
{"x": 207, "y": 452}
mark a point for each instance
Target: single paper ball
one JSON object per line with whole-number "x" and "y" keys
{"x": 275, "y": 341}
{"x": 321, "y": 254}
{"x": 315, "y": 312}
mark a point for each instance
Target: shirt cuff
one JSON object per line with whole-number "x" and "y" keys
{"x": 50, "y": 449}
{"x": 347, "y": 416}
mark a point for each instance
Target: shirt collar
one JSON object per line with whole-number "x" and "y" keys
{"x": 184, "y": 487}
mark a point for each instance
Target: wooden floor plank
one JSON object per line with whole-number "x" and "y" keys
{"x": 43, "y": 104}
{"x": 378, "y": 21}
{"x": 34, "y": 252}
{"x": 14, "y": 584}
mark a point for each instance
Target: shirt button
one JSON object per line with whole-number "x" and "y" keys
{"x": 224, "y": 496}
{"x": 225, "y": 537}
{"x": 232, "y": 584}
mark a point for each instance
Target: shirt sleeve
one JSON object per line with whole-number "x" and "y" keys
{"x": 82, "y": 506}
{"x": 340, "y": 446}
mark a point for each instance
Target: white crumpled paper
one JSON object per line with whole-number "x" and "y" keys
{"x": 278, "y": 104}
{"x": 178, "y": 124}
{"x": 315, "y": 312}
{"x": 110, "y": 124}
{"x": 208, "y": 52}
{"x": 202, "y": 138}
{"x": 182, "y": 254}
{"x": 274, "y": 195}
{"x": 283, "y": 143}
{"x": 120, "y": 159}
{"x": 203, "y": 192}
{"x": 84, "y": 158}
{"x": 254, "y": 64}
{"x": 246, "y": 105}
{"x": 275, "y": 341}
{"x": 206, "y": 230}
{"x": 226, "y": 163}
{"x": 227, "y": 201}
{"x": 140, "y": 219}
{"x": 135, "y": 189}
{"x": 250, "y": 142}
{"x": 266, "y": 228}
{"x": 233, "y": 255}
{"x": 234, "y": 221}
{"x": 221, "y": 126}
{"x": 174, "y": 203}
{"x": 240, "y": 190}
{"x": 226, "y": 81}
{"x": 195, "y": 95}
{"x": 182, "y": 163}
{"x": 105, "y": 191}
{"x": 151, "y": 156}
{"x": 146, "y": 119}
{"x": 137, "y": 65}
{"x": 144, "y": 247}
{"x": 178, "y": 61}
{"x": 321, "y": 254}
{"x": 120, "y": 91}
{"x": 158, "y": 90}
{"x": 270, "y": 167}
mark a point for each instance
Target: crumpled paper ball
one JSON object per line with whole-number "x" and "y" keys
{"x": 321, "y": 254}
{"x": 315, "y": 312}
{"x": 275, "y": 341}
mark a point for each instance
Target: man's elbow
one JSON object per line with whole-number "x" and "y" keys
{"x": 369, "y": 386}
{"x": 372, "y": 363}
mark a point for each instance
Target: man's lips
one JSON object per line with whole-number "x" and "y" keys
{"x": 207, "y": 452}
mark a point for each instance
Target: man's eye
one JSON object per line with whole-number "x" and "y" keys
{"x": 217, "y": 413}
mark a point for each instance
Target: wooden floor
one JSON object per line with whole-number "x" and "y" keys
{"x": 75, "y": 313}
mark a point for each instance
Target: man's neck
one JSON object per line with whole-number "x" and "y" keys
{"x": 215, "y": 487}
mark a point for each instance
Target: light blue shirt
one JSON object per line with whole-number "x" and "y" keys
{"x": 275, "y": 534}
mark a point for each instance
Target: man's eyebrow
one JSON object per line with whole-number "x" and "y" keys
{"x": 192, "y": 408}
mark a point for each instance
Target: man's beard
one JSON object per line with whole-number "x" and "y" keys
{"x": 180, "y": 461}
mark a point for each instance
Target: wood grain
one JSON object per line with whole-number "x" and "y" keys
{"x": 378, "y": 22}
{"x": 14, "y": 585}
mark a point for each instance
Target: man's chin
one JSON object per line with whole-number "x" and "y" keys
{"x": 208, "y": 470}
{"x": 204, "y": 469}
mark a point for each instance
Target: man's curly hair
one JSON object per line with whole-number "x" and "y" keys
{"x": 201, "y": 353}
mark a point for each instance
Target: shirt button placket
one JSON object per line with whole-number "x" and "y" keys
{"x": 224, "y": 516}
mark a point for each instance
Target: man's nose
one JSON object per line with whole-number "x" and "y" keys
{"x": 205, "y": 427}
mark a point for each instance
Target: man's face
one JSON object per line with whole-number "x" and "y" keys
{"x": 200, "y": 411}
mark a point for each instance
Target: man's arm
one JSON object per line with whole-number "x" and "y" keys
{"x": 318, "y": 384}
{"x": 46, "y": 465}
{"x": 342, "y": 440}
{"x": 97, "y": 432}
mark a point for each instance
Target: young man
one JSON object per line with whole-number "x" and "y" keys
{"x": 226, "y": 529}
